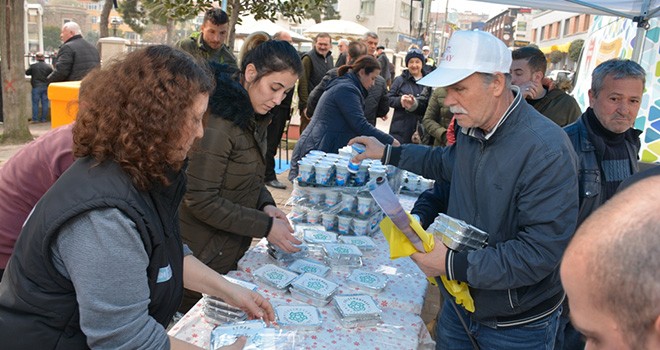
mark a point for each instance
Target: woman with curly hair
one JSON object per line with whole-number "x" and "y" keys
{"x": 227, "y": 203}
{"x": 100, "y": 263}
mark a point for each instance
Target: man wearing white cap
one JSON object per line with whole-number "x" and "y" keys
{"x": 513, "y": 174}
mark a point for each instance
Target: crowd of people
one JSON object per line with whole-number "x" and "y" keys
{"x": 168, "y": 173}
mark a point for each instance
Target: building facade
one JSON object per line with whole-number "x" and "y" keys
{"x": 513, "y": 26}
{"x": 556, "y": 30}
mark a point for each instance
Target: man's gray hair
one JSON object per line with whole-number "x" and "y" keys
{"x": 617, "y": 69}
{"x": 488, "y": 78}
{"x": 370, "y": 35}
{"x": 345, "y": 41}
{"x": 72, "y": 27}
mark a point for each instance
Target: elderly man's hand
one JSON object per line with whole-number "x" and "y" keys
{"x": 374, "y": 149}
{"x": 433, "y": 262}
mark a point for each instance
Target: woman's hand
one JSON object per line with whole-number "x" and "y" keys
{"x": 281, "y": 235}
{"x": 275, "y": 212}
{"x": 253, "y": 303}
{"x": 407, "y": 101}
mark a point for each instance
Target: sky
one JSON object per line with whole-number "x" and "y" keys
{"x": 463, "y": 5}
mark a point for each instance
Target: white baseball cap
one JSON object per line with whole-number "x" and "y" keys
{"x": 469, "y": 52}
{"x": 426, "y": 48}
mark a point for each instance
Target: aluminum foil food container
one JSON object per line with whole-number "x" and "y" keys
{"x": 343, "y": 264}
{"x": 284, "y": 257}
{"x": 469, "y": 243}
{"x": 258, "y": 335}
{"x": 298, "y": 317}
{"x": 342, "y": 251}
{"x": 248, "y": 285}
{"x": 357, "y": 310}
{"x": 362, "y": 242}
{"x": 458, "y": 230}
{"x": 275, "y": 276}
{"x": 311, "y": 266}
{"x": 367, "y": 281}
{"x": 319, "y": 237}
{"x": 221, "y": 306}
{"x": 319, "y": 302}
{"x": 314, "y": 286}
{"x": 219, "y": 316}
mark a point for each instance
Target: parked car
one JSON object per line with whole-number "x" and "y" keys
{"x": 560, "y": 73}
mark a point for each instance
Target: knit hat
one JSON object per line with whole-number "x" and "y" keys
{"x": 414, "y": 53}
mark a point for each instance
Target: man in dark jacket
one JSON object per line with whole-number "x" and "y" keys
{"x": 76, "y": 57}
{"x": 511, "y": 173}
{"x": 209, "y": 43}
{"x": 376, "y": 104}
{"x": 527, "y": 72}
{"x": 343, "y": 52}
{"x": 316, "y": 63}
{"x": 607, "y": 146}
{"x": 39, "y": 72}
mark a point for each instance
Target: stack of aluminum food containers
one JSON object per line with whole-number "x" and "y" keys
{"x": 341, "y": 255}
{"x": 457, "y": 234}
{"x": 357, "y": 310}
{"x": 313, "y": 289}
{"x": 298, "y": 317}
{"x": 367, "y": 281}
{"x": 220, "y": 312}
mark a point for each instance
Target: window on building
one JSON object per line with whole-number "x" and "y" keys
{"x": 586, "y": 23}
{"x": 33, "y": 16}
{"x": 367, "y": 7}
{"x": 95, "y": 19}
{"x": 405, "y": 10}
{"x": 543, "y": 33}
{"x": 557, "y": 30}
{"x": 534, "y": 38}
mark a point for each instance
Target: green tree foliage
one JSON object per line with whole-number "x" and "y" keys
{"x": 325, "y": 12}
{"x": 93, "y": 37}
{"x": 51, "y": 38}
{"x": 556, "y": 56}
{"x": 296, "y": 10}
{"x": 575, "y": 49}
{"x": 138, "y": 14}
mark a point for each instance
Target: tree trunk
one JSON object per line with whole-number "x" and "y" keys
{"x": 170, "y": 31}
{"x": 104, "y": 32}
{"x": 14, "y": 87}
{"x": 234, "y": 12}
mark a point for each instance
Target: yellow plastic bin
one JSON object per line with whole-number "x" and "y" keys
{"x": 63, "y": 102}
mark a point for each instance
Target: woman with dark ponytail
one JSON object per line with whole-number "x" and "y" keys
{"x": 339, "y": 114}
{"x": 227, "y": 204}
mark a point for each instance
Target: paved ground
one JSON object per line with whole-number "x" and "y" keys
{"x": 432, "y": 303}
{"x": 6, "y": 151}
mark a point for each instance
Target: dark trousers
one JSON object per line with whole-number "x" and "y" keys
{"x": 281, "y": 114}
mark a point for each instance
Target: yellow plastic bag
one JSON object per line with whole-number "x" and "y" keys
{"x": 400, "y": 247}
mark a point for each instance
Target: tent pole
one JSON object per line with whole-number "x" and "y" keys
{"x": 642, "y": 26}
